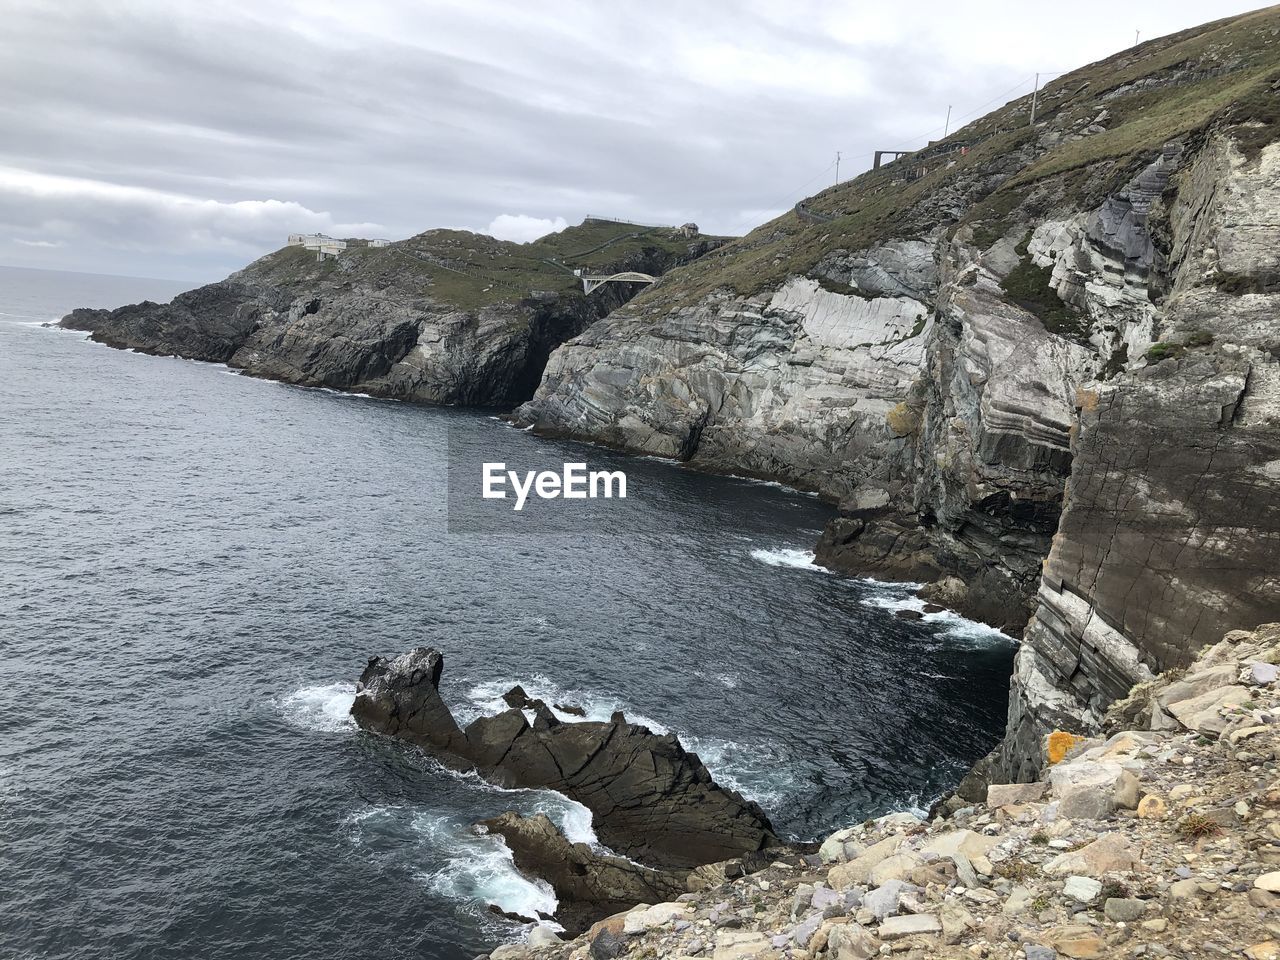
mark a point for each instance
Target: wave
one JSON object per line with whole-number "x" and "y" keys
{"x": 789, "y": 557}
{"x": 453, "y": 859}
{"x": 325, "y": 708}
{"x": 485, "y": 698}
{"x": 955, "y": 627}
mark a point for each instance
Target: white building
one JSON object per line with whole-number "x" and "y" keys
{"x": 324, "y": 246}
{"x": 379, "y": 243}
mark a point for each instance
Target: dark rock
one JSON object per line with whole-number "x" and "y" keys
{"x": 908, "y": 614}
{"x": 652, "y": 800}
{"x": 607, "y": 945}
{"x": 571, "y": 709}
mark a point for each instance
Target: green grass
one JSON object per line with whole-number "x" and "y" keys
{"x": 1030, "y": 287}
{"x": 471, "y": 271}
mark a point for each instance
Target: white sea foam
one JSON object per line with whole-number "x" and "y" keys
{"x": 325, "y": 708}
{"x": 955, "y": 627}
{"x": 486, "y": 698}
{"x": 453, "y": 859}
{"x": 481, "y": 867}
{"x": 788, "y": 557}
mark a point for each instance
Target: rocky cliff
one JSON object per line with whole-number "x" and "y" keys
{"x": 444, "y": 317}
{"x": 1161, "y": 840}
{"x": 1033, "y": 348}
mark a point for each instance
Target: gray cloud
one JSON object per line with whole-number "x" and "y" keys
{"x": 148, "y": 137}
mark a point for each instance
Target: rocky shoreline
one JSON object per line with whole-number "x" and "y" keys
{"x": 1158, "y": 838}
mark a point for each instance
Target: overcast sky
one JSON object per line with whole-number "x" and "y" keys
{"x": 182, "y": 139}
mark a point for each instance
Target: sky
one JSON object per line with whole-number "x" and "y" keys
{"x": 182, "y": 139}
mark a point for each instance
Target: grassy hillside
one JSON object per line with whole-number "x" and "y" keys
{"x": 471, "y": 270}
{"x": 1095, "y": 127}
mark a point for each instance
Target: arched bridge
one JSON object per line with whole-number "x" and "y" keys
{"x": 589, "y": 282}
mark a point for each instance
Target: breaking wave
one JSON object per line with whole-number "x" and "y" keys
{"x": 788, "y": 557}
{"x": 325, "y": 708}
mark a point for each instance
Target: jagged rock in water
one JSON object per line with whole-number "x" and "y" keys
{"x": 589, "y": 885}
{"x": 652, "y": 800}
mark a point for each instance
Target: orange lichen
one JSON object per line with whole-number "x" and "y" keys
{"x": 1059, "y": 744}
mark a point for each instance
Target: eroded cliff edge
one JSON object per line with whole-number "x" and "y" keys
{"x": 446, "y": 316}
{"x": 1032, "y": 348}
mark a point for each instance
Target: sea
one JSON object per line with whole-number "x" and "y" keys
{"x": 196, "y": 565}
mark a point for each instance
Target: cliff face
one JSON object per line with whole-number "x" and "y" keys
{"x": 1050, "y": 343}
{"x": 444, "y": 317}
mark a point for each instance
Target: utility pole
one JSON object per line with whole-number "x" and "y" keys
{"x": 946, "y": 127}
{"x": 1136, "y": 34}
{"x": 1035, "y": 94}
{"x": 837, "y": 168}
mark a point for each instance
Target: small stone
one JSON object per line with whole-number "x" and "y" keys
{"x": 1241, "y": 809}
{"x": 895, "y": 928}
{"x": 1269, "y": 882}
{"x": 1083, "y": 889}
{"x": 1260, "y": 674}
{"x": 1267, "y": 950}
{"x": 1158, "y": 925}
{"x": 1152, "y": 807}
{"x": 542, "y": 936}
{"x": 1075, "y": 940}
{"x": 1036, "y": 952}
{"x": 1118, "y": 909}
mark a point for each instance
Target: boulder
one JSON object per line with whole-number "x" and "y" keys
{"x": 858, "y": 870}
{"x": 884, "y": 900}
{"x": 911, "y": 925}
{"x": 740, "y": 945}
{"x": 849, "y": 941}
{"x": 1004, "y": 794}
{"x": 1110, "y": 852}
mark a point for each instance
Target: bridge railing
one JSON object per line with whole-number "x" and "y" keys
{"x": 634, "y": 223}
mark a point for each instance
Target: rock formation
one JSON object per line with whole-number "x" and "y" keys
{"x": 589, "y": 884}
{"x": 651, "y": 800}
{"x": 443, "y": 317}
{"x": 1159, "y": 839}
{"x": 1038, "y": 362}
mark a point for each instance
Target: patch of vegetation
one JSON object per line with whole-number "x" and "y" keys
{"x": 1196, "y": 825}
{"x": 1199, "y": 338}
{"x": 1030, "y": 287}
{"x": 1016, "y": 870}
{"x": 1163, "y": 351}
{"x": 904, "y": 420}
{"x": 1240, "y": 283}
{"x": 1114, "y": 889}
{"x": 1040, "y": 838}
{"x": 1256, "y": 117}
{"x": 1040, "y": 903}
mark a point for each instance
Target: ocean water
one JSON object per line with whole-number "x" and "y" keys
{"x": 195, "y": 566}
